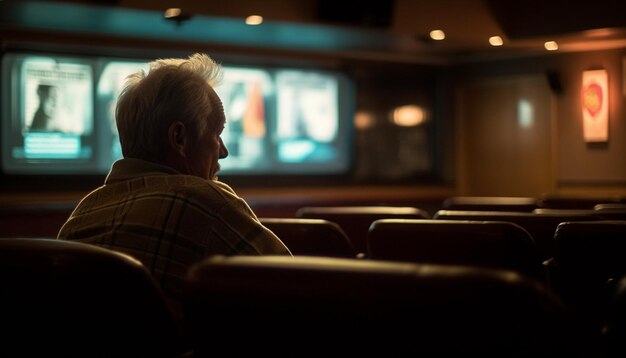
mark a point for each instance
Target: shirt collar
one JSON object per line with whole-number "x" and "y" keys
{"x": 130, "y": 168}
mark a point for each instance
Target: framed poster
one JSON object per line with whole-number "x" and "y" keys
{"x": 595, "y": 106}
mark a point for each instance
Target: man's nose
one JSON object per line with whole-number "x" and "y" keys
{"x": 223, "y": 150}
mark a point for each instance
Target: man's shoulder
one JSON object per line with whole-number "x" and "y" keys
{"x": 169, "y": 187}
{"x": 196, "y": 187}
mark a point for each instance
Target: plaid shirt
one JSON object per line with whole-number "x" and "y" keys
{"x": 168, "y": 221}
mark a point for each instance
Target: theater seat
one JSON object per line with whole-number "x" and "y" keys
{"x": 575, "y": 202}
{"x": 540, "y": 224}
{"x": 590, "y": 257}
{"x": 304, "y": 306}
{"x": 68, "y": 299}
{"x": 490, "y": 203}
{"x": 612, "y": 211}
{"x": 614, "y": 339}
{"x": 356, "y": 220}
{"x": 311, "y": 237}
{"x": 496, "y": 244}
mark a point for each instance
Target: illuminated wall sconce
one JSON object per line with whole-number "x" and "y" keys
{"x": 364, "y": 120}
{"x": 408, "y": 116}
{"x": 595, "y": 105}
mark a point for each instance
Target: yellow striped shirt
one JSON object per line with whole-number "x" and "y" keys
{"x": 168, "y": 221}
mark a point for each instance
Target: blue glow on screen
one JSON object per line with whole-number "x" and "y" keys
{"x": 278, "y": 121}
{"x": 52, "y": 145}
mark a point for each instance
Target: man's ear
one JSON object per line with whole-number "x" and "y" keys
{"x": 177, "y": 138}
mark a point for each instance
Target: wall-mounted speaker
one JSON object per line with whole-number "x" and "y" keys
{"x": 554, "y": 81}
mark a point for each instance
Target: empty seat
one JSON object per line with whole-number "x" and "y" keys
{"x": 495, "y": 244}
{"x": 490, "y": 203}
{"x": 356, "y": 220}
{"x": 615, "y": 324}
{"x": 311, "y": 237}
{"x": 550, "y": 211}
{"x": 68, "y": 299}
{"x": 541, "y": 226}
{"x": 602, "y": 211}
{"x": 611, "y": 211}
{"x": 589, "y": 258}
{"x": 304, "y": 305}
{"x": 575, "y": 202}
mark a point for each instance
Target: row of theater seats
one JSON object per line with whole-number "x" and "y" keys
{"x": 61, "y": 298}
{"x": 540, "y": 223}
{"x": 346, "y": 307}
{"x": 381, "y": 283}
{"x": 579, "y": 254}
{"x": 527, "y": 204}
{"x": 69, "y": 299}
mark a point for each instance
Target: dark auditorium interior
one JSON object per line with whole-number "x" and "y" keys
{"x": 432, "y": 122}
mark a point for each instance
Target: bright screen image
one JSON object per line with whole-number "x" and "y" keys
{"x": 48, "y": 115}
{"x": 307, "y": 119}
{"x": 58, "y": 116}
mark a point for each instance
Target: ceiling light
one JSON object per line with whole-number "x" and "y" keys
{"x": 551, "y": 45}
{"x": 173, "y": 12}
{"x": 437, "y": 35}
{"x": 254, "y": 20}
{"x": 176, "y": 14}
{"x": 495, "y": 41}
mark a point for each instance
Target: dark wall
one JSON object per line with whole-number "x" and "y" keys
{"x": 578, "y": 163}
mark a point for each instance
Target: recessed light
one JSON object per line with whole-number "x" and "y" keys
{"x": 551, "y": 45}
{"x": 437, "y": 35}
{"x": 496, "y": 41}
{"x": 254, "y": 20}
{"x": 173, "y": 12}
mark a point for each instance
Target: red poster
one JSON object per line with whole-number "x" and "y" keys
{"x": 595, "y": 106}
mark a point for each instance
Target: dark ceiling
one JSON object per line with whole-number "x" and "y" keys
{"x": 384, "y": 30}
{"x": 537, "y": 18}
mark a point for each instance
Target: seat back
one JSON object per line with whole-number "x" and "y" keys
{"x": 311, "y": 237}
{"x": 600, "y": 212}
{"x": 589, "y": 258}
{"x": 490, "y": 203}
{"x": 540, "y": 226}
{"x": 497, "y": 244}
{"x": 68, "y": 299}
{"x": 575, "y": 202}
{"x": 305, "y": 305}
{"x": 615, "y": 324}
{"x": 611, "y": 211}
{"x": 356, "y": 220}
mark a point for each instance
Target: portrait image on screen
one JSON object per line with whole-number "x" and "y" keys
{"x": 48, "y": 117}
